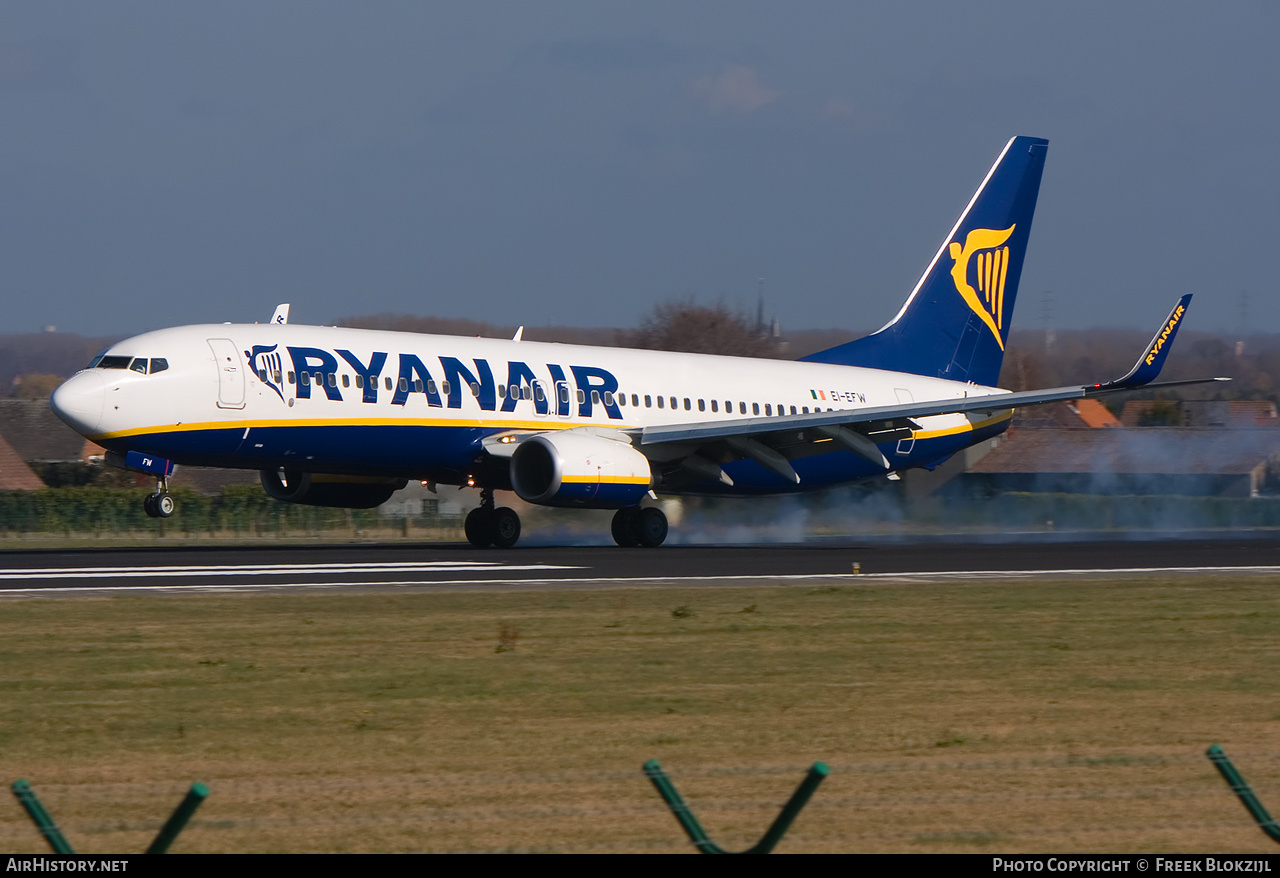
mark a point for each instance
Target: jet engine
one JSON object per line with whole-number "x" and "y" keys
{"x": 314, "y": 489}
{"x": 579, "y": 469}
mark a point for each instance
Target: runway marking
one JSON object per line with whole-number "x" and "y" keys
{"x": 265, "y": 569}
{"x": 848, "y": 578}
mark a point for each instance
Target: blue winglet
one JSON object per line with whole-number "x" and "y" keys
{"x": 1152, "y": 360}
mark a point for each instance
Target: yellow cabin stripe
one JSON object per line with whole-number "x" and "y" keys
{"x": 542, "y": 426}
{"x": 612, "y": 480}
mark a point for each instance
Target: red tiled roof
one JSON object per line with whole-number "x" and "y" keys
{"x": 15, "y": 475}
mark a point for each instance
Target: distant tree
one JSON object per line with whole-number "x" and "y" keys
{"x": 37, "y": 386}
{"x": 684, "y": 326}
{"x": 1162, "y": 413}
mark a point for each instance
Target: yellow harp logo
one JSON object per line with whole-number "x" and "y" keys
{"x": 992, "y": 264}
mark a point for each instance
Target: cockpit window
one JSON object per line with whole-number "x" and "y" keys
{"x": 139, "y": 364}
{"x": 114, "y": 362}
{"x": 158, "y": 364}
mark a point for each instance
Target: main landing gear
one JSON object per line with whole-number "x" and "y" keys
{"x": 487, "y": 526}
{"x": 637, "y": 526}
{"x": 160, "y": 503}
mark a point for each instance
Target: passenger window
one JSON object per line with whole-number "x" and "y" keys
{"x": 608, "y": 398}
{"x": 768, "y": 409}
{"x": 635, "y": 399}
{"x": 444, "y": 387}
{"x": 291, "y": 377}
{"x": 674, "y": 403}
{"x": 159, "y": 364}
{"x": 582, "y": 397}
{"x": 564, "y": 393}
{"x": 319, "y": 379}
{"x": 431, "y": 387}
{"x": 659, "y": 401}
{"x": 475, "y": 389}
{"x": 622, "y": 399}
{"x": 715, "y": 405}
{"x": 262, "y": 375}
{"x": 742, "y": 408}
{"x": 404, "y": 384}
{"x": 387, "y": 381}
{"x": 648, "y": 401}
{"x": 687, "y": 407}
{"x": 526, "y": 392}
{"x": 333, "y": 379}
{"x": 755, "y": 408}
{"x": 139, "y": 365}
{"x": 346, "y": 380}
{"x": 305, "y": 378}
{"x": 702, "y": 405}
{"x": 502, "y": 391}
{"x": 595, "y": 397}
{"x": 359, "y": 382}
{"x": 417, "y": 385}
{"x": 793, "y": 410}
{"x": 806, "y": 410}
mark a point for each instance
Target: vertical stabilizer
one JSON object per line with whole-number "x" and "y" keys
{"x": 956, "y": 321}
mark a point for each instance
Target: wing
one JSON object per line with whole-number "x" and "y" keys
{"x": 772, "y": 441}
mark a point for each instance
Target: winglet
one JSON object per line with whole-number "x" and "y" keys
{"x": 281, "y": 316}
{"x": 1152, "y": 360}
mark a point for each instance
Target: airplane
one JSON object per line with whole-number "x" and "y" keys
{"x": 334, "y": 416}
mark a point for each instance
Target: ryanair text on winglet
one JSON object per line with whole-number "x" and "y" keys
{"x": 1163, "y": 336}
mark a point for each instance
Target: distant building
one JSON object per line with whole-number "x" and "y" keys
{"x": 1152, "y": 460}
{"x": 15, "y": 475}
{"x": 1236, "y": 414}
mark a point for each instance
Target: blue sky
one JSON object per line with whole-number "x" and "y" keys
{"x": 576, "y": 163}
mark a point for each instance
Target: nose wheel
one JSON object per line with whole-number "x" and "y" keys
{"x": 159, "y": 503}
{"x": 487, "y": 526}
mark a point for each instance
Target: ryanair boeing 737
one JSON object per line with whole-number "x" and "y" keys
{"x": 344, "y": 417}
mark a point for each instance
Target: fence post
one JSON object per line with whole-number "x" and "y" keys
{"x": 194, "y": 799}
{"x": 1244, "y": 792}
{"x": 817, "y": 774}
{"x": 52, "y": 834}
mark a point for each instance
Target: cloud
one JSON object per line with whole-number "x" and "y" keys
{"x": 734, "y": 90}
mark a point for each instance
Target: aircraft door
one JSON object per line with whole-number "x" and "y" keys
{"x": 230, "y": 373}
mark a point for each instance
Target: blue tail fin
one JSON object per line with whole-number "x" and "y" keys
{"x": 956, "y": 321}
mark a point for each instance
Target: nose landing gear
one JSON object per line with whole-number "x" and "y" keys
{"x": 160, "y": 503}
{"x": 487, "y": 526}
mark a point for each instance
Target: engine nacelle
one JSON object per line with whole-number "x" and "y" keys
{"x": 313, "y": 489}
{"x": 576, "y": 469}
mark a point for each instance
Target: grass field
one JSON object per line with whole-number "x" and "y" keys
{"x": 1053, "y": 716}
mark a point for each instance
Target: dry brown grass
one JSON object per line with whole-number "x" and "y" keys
{"x": 1057, "y": 716}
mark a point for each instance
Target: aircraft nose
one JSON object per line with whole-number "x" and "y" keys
{"x": 79, "y": 401}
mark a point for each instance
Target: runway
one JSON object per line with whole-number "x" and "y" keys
{"x": 461, "y": 567}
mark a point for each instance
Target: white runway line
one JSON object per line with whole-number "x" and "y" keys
{"x": 844, "y": 578}
{"x": 265, "y": 569}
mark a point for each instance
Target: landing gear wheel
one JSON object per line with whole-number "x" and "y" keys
{"x": 505, "y": 528}
{"x": 158, "y": 505}
{"x": 651, "y": 528}
{"x": 477, "y": 527}
{"x": 626, "y": 527}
